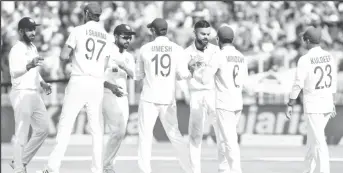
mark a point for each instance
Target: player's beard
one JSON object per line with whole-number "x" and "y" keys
{"x": 203, "y": 42}
{"x": 125, "y": 45}
{"x": 28, "y": 39}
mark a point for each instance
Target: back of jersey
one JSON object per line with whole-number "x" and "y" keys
{"x": 159, "y": 58}
{"x": 91, "y": 45}
{"x": 229, "y": 79}
{"x": 320, "y": 81}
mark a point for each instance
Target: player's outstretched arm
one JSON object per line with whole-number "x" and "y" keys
{"x": 128, "y": 67}
{"x": 139, "y": 67}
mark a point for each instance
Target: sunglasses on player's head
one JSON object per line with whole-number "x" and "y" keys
{"x": 126, "y": 37}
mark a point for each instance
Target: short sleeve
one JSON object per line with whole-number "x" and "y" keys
{"x": 72, "y": 39}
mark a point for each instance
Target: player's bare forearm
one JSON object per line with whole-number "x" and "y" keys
{"x": 128, "y": 71}
{"x": 114, "y": 88}
{"x": 65, "y": 53}
{"x": 291, "y": 102}
{"x": 295, "y": 92}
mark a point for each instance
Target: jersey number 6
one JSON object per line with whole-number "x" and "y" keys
{"x": 90, "y": 47}
{"x": 327, "y": 68}
{"x": 235, "y": 74}
{"x": 160, "y": 62}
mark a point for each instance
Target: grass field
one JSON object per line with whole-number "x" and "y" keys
{"x": 254, "y": 159}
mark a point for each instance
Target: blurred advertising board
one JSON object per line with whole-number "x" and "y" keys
{"x": 260, "y": 120}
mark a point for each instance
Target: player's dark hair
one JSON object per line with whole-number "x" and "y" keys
{"x": 94, "y": 17}
{"x": 224, "y": 41}
{"x": 201, "y": 24}
{"x": 162, "y": 32}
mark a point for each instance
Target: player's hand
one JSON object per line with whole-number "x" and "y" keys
{"x": 116, "y": 90}
{"x": 38, "y": 61}
{"x": 192, "y": 65}
{"x": 122, "y": 67}
{"x": 289, "y": 111}
{"x": 333, "y": 113}
{"x": 46, "y": 87}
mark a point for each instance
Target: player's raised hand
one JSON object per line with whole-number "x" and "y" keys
{"x": 289, "y": 111}
{"x": 46, "y": 87}
{"x": 38, "y": 61}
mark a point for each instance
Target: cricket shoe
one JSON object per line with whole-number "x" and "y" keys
{"x": 44, "y": 171}
{"x": 109, "y": 171}
{"x": 12, "y": 166}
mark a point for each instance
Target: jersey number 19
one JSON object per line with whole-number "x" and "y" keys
{"x": 162, "y": 67}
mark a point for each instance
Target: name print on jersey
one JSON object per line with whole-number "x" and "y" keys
{"x": 96, "y": 34}
{"x": 322, "y": 59}
{"x": 161, "y": 48}
{"x": 235, "y": 59}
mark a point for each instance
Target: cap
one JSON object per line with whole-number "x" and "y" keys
{"x": 93, "y": 8}
{"x": 124, "y": 29}
{"x": 314, "y": 35}
{"x": 225, "y": 32}
{"x": 158, "y": 24}
{"x": 27, "y": 22}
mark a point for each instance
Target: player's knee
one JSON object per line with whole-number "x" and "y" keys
{"x": 195, "y": 139}
{"x": 119, "y": 134}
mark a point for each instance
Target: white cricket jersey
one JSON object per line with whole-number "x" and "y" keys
{"x": 205, "y": 57}
{"x": 91, "y": 45}
{"x": 159, "y": 64}
{"x": 20, "y": 55}
{"x": 230, "y": 70}
{"x": 317, "y": 75}
{"x": 120, "y": 77}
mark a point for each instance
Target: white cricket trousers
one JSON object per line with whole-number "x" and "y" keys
{"x": 317, "y": 158}
{"x": 148, "y": 113}
{"x": 202, "y": 108}
{"x": 29, "y": 109}
{"x": 116, "y": 113}
{"x": 81, "y": 91}
{"x": 227, "y": 122}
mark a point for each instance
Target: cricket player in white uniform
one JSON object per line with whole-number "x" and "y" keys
{"x": 90, "y": 44}
{"x": 202, "y": 98}
{"x": 160, "y": 64}
{"x": 230, "y": 70}
{"x": 28, "y": 106}
{"x": 116, "y": 103}
{"x": 316, "y": 75}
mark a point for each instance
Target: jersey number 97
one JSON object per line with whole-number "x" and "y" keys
{"x": 90, "y": 47}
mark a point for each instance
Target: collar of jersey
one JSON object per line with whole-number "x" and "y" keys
{"x": 229, "y": 47}
{"x": 315, "y": 48}
{"x": 161, "y": 38}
